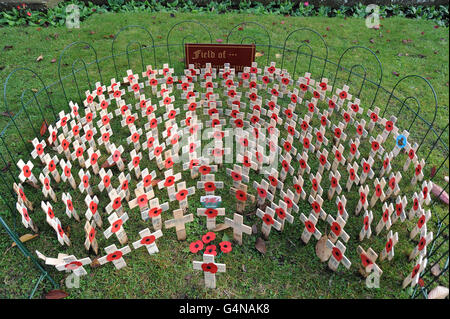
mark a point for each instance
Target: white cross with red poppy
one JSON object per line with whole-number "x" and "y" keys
{"x": 246, "y": 159}
{"x": 26, "y": 219}
{"x": 337, "y": 255}
{"x": 385, "y": 221}
{"x": 303, "y": 161}
{"x": 288, "y": 145}
{"x": 242, "y": 197}
{"x": 231, "y": 92}
{"x": 354, "y": 150}
{"x": 105, "y": 182}
{"x": 90, "y": 241}
{"x": 182, "y": 194}
{"x": 26, "y": 171}
{"x": 61, "y": 235}
{"x": 84, "y": 185}
{"x": 115, "y": 203}
{"x": 191, "y": 104}
{"x": 237, "y": 223}
{"x": 393, "y": 183}
{"x": 386, "y": 168}
{"x": 282, "y": 213}
{"x": 400, "y": 209}
{"x": 341, "y": 202}
{"x": 268, "y": 221}
{"x": 425, "y": 193}
{"x": 51, "y": 167}
{"x": 47, "y": 189}
{"x": 52, "y": 136}
{"x": 252, "y": 95}
{"x": 152, "y": 125}
{"x": 166, "y": 98}
{"x": 156, "y": 153}
{"x": 104, "y": 138}
{"x": 142, "y": 199}
{"x": 303, "y": 82}
{"x": 312, "y": 107}
{"x": 88, "y": 118}
{"x": 361, "y": 132}
{"x": 210, "y": 214}
{"x": 191, "y": 163}
{"x": 115, "y": 256}
{"x": 48, "y": 210}
{"x": 411, "y": 151}
{"x": 75, "y": 131}
{"x": 192, "y": 72}
{"x": 209, "y": 184}
{"x": 421, "y": 248}
{"x": 93, "y": 156}
{"x": 416, "y": 208}
{"x": 338, "y": 131}
{"x": 186, "y": 87}
{"x": 378, "y": 193}
{"x": 255, "y": 116}
{"x": 71, "y": 263}
{"x": 418, "y": 172}
{"x": 237, "y": 121}
{"x": 275, "y": 91}
{"x": 115, "y": 91}
{"x": 152, "y": 82}
{"x": 337, "y": 228}
{"x": 145, "y": 105}
{"x": 133, "y": 165}
{"x": 320, "y": 137}
{"x": 298, "y": 187}
{"x": 421, "y": 222}
{"x": 335, "y": 178}
{"x": 286, "y": 167}
{"x": 343, "y": 95}
{"x": 366, "y": 230}
{"x": 165, "y": 71}
{"x": 353, "y": 108}
{"x": 124, "y": 182}
{"x": 179, "y": 222}
{"x": 169, "y": 181}
{"x": 306, "y": 142}
{"x": 122, "y": 107}
{"x": 244, "y": 76}
{"x": 154, "y": 212}
{"x": 209, "y": 268}
{"x": 367, "y": 170}
{"x": 116, "y": 227}
{"x": 332, "y": 104}
{"x": 148, "y": 240}
{"x": 315, "y": 184}
{"x": 288, "y": 197}
{"x": 305, "y": 127}
{"x": 290, "y": 125}
{"x": 285, "y": 80}
{"x": 149, "y": 71}
{"x": 68, "y": 203}
{"x": 274, "y": 181}
{"x": 389, "y": 126}
{"x": 78, "y": 152}
{"x": 310, "y": 228}
{"x": 128, "y": 119}
{"x": 62, "y": 122}
{"x": 323, "y": 161}
{"x": 38, "y": 149}
{"x": 74, "y": 111}
{"x": 323, "y": 87}
{"x": 171, "y": 157}
{"x": 263, "y": 79}
{"x": 134, "y": 137}
{"x": 88, "y": 137}
{"x": 116, "y": 157}
{"x": 237, "y": 174}
{"x": 151, "y": 138}
{"x": 92, "y": 210}
{"x": 148, "y": 179}
{"x": 89, "y": 100}
{"x": 376, "y": 146}
{"x": 414, "y": 277}
{"x": 21, "y": 197}
{"x": 363, "y": 203}
{"x": 103, "y": 102}
{"x": 368, "y": 259}
{"x": 217, "y": 153}
{"x": 193, "y": 125}
{"x": 262, "y": 190}
{"x": 135, "y": 87}
{"x": 316, "y": 206}
{"x": 67, "y": 173}
{"x": 374, "y": 118}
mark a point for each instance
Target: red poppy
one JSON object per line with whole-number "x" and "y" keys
{"x": 334, "y": 182}
{"x": 115, "y": 227}
{"x": 158, "y": 150}
{"x": 303, "y": 87}
{"x": 337, "y": 132}
{"x": 67, "y": 171}
{"x": 347, "y": 117}
{"x": 105, "y": 137}
{"x": 302, "y": 163}
{"x": 310, "y": 227}
{"x": 337, "y": 254}
{"x": 85, "y": 181}
{"x": 204, "y": 169}
{"x": 316, "y": 94}
{"x": 196, "y": 246}
{"x": 392, "y": 183}
{"x": 280, "y": 213}
{"x": 106, "y": 181}
{"x": 331, "y": 104}
{"x": 210, "y": 187}
{"x": 399, "y": 208}
{"x": 210, "y": 250}
{"x": 125, "y": 185}
{"x": 208, "y": 237}
{"x": 422, "y": 243}
{"x": 365, "y": 260}
{"x": 50, "y": 213}
{"x": 389, "y": 245}
{"x": 336, "y": 228}
{"x": 298, "y": 188}
{"x": 366, "y": 168}
{"x": 421, "y": 221}
{"x": 343, "y": 95}
{"x": 135, "y": 137}
{"x": 378, "y": 190}
{"x": 353, "y": 148}
{"x": 285, "y": 165}
{"x": 209, "y": 267}
{"x": 241, "y": 196}
{"x": 375, "y": 146}
{"x": 316, "y": 207}
{"x": 287, "y": 146}
{"x": 117, "y": 203}
{"x": 411, "y": 154}
{"x": 374, "y": 117}
{"x": 266, "y": 79}
{"x": 389, "y": 126}
{"x": 79, "y": 152}
{"x": 236, "y": 176}
{"x": 362, "y": 197}
{"x": 306, "y": 143}
{"x": 148, "y": 240}
{"x": 418, "y": 169}
{"x": 168, "y": 163}
{"x": 52, "y": 166}
{"x": 385, "y": 215}
{"x": 211, "y": 213}
{"x": 154, "y": 212}
{"x": 239, "y": 123}
{"x": 267, "y": 219}
{"x": 114, "y": 256}
{"x": 225, "y": 247}
{"x": 311, "y": 107}
{"x": 181, "y": 195}
{"x": 116, "y": 156}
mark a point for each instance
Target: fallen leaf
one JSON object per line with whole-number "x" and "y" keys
{"x": 322, "y": 251}
{"x": 32, "y": 184}
{"x": 220, "y": 227}
{"x": 254, "y": 229}
{"x": 278, "y": 55}
{"x": 25, "y": 238}
{"x": 6, "y": 167}
{"x": 106, "y": 164}
{"x": 436, "y": 270}
{"x": 67, "y": 231}
{"x": 422, "y": 33}
{"x": 53, "y": 60}
{"x": 260, "y": 245}
{"x": 91, "y": 32}
{"x": 259, "y": 54}
{"x": 188, "y": 278}
{"x": 39, "y": 58}
{"x": 95, "y": 263}
{"x": 7, "y": 113}
{"x": 7, "y": 47}
{"x": 433, "y": 171}
{"x": 328, "y": 28}
{"x": 372, "y": 40}
{"x": 243, "y": 268}
{"x": 56, "y": 294}
{"x": 241, "y": 28}
{"x": 44, "y": 127}
{"x": 440, "y": 193}
{"x": 283, "y": 22}
{"x": 439, "y": 292}
{"x": 395, "y": 73}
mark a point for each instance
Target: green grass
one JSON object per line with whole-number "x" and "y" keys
{"x": 289, "y": 269}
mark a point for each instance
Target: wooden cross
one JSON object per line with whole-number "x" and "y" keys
{"x": 360, "y": 129}
{"x": 84, "y": 185}
{"x": 105, "y": 182}
{"x": 367, "y": 170}
{"x": 386, "y": 168}
{"x": 179, "y": 222}
{"x": 148, "y": 179}
{"x": 341, "y": 202}
{"x": 93, "y": 157}
{"x": 115, "y": 203}
{"x": 418, "y": 172}
{"x": 62, "y": 236}
{"x": 303, "y": 161}
{"x": 338, "y": 132}
{"x": 134, "y": 138}
{"x": 385, "y": 220}
{"x": 298, "y": 187}
{"x": 241, "y": 195}
{"x": 169, "y": 181}
{"x": 157, "y": 154}
{"x": 70, "y": 210}
{"x": 237, "y": 175}
{"x": 154, "y": 212}
{"x": 416, "y": 208}
{"x": 363, "y": 203}
{"x": 124, "y": 181}
{"x": 148, "y": 240}
{"x": 337, "y": 255}
{"x": 289, "y": 197}
{"x": 268, "y": 221}
{"x": 389, "y": 126}
{"x": 337, "y": 229}
{"x": 368, "y": 260}
{"x": 71, "y": 263}
{"x": 67, "y": 173}
{"x": 374, "y": 118}
{"x": 376, "y": 147}
{"x": 47, "y": 189}
{"x": 288, "y": 145}
{"x": 316, "y": 206}
{"x": 21, "y": 197}
{"x": 306, "y": 141}
{"x": 320, "y": 137}
{"x": 334, "y": 181}
{"x": 366, "y": 230}
{"x": 282, "y": 213}
{"x": 421, "y": 248}
{"x": 354, "y": 150}
{"x": 115, "y": 256}
{"x": 310, "y": 228}
{"x": 275, "y": 183}
{"x": 425, "y": 193}
{"x": 78, "y": 152}
{"x": 411, "y": 151}
{"x": 142, "y": 199}
{"x": 134, "y": 163}
{"x": 128, "y": 119}
{"x": 116, "y": 227}
{"x": 285, "y": 166}
{"x": 393, "y": 183}
{"x": 92, "y": 210}
{"x": 316, "y": 189}
{"x": 74, "y": 111}
{"x": 388, "y": 250}
{"x": 338, "y": 157}
{"x": 26, "y": 219}
{"x": 51, "y": 167}
{"x": 104, "y": 138}
{"x": 38, "y": 149}
{"x": 413, "y": 278}
{"x": 75, "y": 131}
{"x": 62, "y": 122}
{"x": 209, "y": 184}
{"x": 209, "y": 268}
{"x": 237, "y": 223}
{"x": 423, "y": 219}
{"x": 49, "y": 214}
{"x": 26, "y": 171}
{"x": 400, "y": 208}
{"x": 116, "y": 157}
{"x": 182, "y": 194}
{"x": 378, "y": 193}
{"x": 64, "y": 146}
{"x": 210, "y": 214}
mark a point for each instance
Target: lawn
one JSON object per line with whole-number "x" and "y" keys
{"x": 289, "y": 269}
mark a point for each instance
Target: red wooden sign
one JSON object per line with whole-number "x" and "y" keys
{"x": 238, "y": 55}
